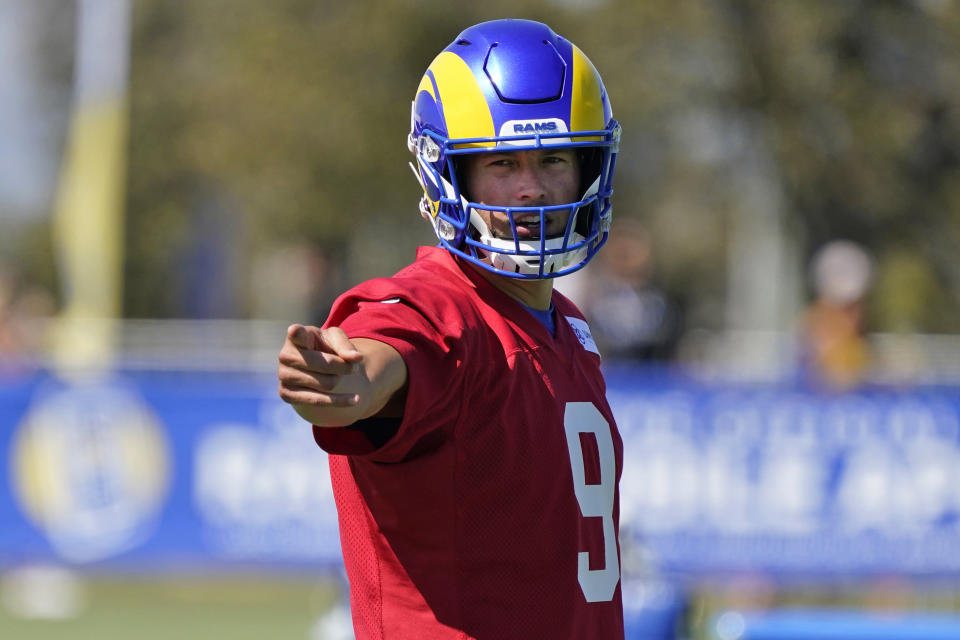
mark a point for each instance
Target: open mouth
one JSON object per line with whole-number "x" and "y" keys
{"x": 528, "y": 227}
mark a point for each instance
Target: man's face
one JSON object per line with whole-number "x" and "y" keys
{"x": 531, "y": 178}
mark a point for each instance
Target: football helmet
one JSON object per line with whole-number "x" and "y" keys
{"x": 513, "y": 85}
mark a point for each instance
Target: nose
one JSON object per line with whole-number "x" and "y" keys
{"x": 531, "y": 184}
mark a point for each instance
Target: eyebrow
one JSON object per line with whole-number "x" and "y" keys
{"x": 543, "y": 151}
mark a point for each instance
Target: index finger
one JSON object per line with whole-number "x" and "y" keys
{"x": 301, "y": 336}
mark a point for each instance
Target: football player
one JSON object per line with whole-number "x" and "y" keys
{"x": 474, "y": 456}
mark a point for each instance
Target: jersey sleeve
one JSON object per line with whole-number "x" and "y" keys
{"x": 432, "y": 373}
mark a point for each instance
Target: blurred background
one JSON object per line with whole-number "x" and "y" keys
{"x": 778, "y": 305}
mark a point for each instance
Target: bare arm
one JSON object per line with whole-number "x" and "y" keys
{"x": 333, "y": 381}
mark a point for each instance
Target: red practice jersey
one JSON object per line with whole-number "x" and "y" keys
{"x": 492, "y": 511}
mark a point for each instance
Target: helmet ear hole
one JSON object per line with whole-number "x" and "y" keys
{"x": 584, "y": 219}
{"x": 460, "y": 172}
{"x": 591, "y": 163}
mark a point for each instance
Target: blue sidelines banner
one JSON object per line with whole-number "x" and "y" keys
{"x": 725, "y": 478}
{"x": 162, "y": 469}
{"x": 195, "y": 469}
{"x": 825, "y": 624}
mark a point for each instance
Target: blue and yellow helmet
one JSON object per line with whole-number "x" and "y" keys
{"x": 514, "y": 84}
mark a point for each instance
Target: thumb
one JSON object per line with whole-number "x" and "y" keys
{"x": 337, "y": 342}
{"x": 304, "y": 337}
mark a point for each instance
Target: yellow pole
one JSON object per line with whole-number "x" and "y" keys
{"x": 88, "y": 215}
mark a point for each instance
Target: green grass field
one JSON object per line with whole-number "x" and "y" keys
{"x": 235, "y": 607}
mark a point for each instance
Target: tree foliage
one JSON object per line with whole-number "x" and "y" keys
{"x": 256, "y": 124}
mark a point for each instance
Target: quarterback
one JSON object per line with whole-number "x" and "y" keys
{"x": 474, "y": 457}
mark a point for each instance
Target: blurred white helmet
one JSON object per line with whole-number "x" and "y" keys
{"x": 841, "y": 272}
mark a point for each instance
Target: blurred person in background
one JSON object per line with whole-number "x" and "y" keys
{"x": 23, "y": 307}
{"x": 9, "y": 344}
{"x": 632, "y": 318}
{"x": 310, "y": 273}
{"x": 835, "y": 354}
{"x": 474, "y": 457}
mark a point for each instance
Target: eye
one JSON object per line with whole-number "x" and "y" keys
{"x": 556, "y": 160}
{"x": 502, "y": 161}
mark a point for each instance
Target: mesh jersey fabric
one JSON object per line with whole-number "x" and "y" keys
{"x": 475, "y": 519}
